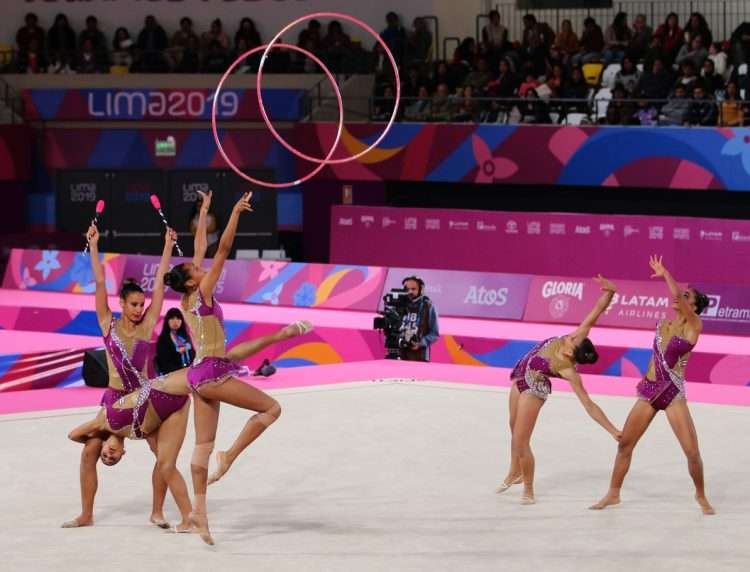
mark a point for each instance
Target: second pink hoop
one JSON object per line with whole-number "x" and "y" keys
{"x": 279, "y": 138}
{"x": 215, "y": 130}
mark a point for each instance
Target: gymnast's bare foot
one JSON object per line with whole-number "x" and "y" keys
{"x": 79, "y": 521}
{"x": 200, "y": 522}
{"x": 509, "y": 481}
{"x": 184, "y": 526}
{"x": 157, "y": 519}
{"x": 610, "y": 499}
{"x": 705, "y": 505}
{"x": 223, "y": 463}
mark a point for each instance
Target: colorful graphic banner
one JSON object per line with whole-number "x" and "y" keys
{"x": 674, "y": 158}
{"x": 469, "y": 294}
{"x": 617, "y": 246}
{"x": 107, "y": 104}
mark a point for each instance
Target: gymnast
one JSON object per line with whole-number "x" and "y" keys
{"x": 663, "y": 389}
{"x": 555, "y": 357}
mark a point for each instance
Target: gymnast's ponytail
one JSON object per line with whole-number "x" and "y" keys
{"x": 176, "y": 278}
{"x": 585, "y": 353}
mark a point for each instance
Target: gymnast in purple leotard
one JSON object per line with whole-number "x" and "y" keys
{"x": 555, "y": 357}
{"x": 129, "y": 407}
{"x": 663, "y": 389}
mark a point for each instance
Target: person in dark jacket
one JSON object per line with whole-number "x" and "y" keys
{"x": 174, "y": 349}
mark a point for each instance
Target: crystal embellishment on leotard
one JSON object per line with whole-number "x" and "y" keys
{"x": 676, "y": 378}
{"x": 201, "y": 348}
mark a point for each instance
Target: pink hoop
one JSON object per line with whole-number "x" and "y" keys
{"x": 279, "y": 138}
{"x": 229, "y": 162}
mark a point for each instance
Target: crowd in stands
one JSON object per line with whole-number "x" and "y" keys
{"x": 641, "y": 75}
{"x": 626, "y": 74}
{"x": 61, "y": 50}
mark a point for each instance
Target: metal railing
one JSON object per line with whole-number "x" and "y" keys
{"x": 515, "y": 110}
{"x": 723, "y": 16}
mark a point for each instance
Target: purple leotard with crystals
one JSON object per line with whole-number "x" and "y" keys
{"x": 532, "y": 372}
{"x": 136, "y": 409}
{"x": 207, "y": 331}
{"x": 669, "y": 368}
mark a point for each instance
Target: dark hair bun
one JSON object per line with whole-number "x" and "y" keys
{"x": 585, "y": 353}
{"x": 701, "y": 301}
{"x": 130, "y": 286}
{"x": 176, "y": 279}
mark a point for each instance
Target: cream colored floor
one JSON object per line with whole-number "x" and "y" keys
{"x": 391, "y": 476}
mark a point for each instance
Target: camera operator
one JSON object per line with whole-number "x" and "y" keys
{"x": 419, "y": 323}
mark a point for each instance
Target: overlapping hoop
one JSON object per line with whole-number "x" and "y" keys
{"x": 272, "y": 44}
{"x": 214, "y": 128}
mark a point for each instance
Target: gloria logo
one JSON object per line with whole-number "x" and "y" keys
{"x": 482, "y": 296}
{"x": 346, "y": 221}
{"x": 511, "y": 227}
{"x": 714, "y": 303}
{"x": 558, "y": 288}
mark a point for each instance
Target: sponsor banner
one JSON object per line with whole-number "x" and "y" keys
{"x": 728, "y": 311}
{"x": 469, "y": 294}
{"x": 554, "y": 244}
{"x": 108, "y": 104}
{"x": 637, "y": 304}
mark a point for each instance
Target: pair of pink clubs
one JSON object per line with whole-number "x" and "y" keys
{"x": 154, "y": 202}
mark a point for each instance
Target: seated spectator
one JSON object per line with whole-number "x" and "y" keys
{"x": 671, "y": 36}
{"x": 480, "y": 77}
{"x": 93, "y": 33}
{"x": 576, "y": 88}
{"x": 628, "y": 76}
{"x": 310, "y": 38}
{"x": 530, "y": 82}
{"x": 467, "y": 108}
{"x": 617, "y": 38}
{"x": 506, "y": 83}
{"x": 61, "y": 39}
{"x": 216, "y": 59}
{"x": 641, "y": 38}
{"x": 420, "y": 109}
{"x": 32, "y": 59}
{"x": 712, "y": 81}
{"x": 698, "y": 27}
{"x": 419, "y": 42}
{"x": 732, "y": 110}
{"x": 740, "y": 44}
{"x": 337, "y": 47}
{"x": 688, "y": 76}
{"x": 60, "y": 64}
{"x": 656, "y": 51}
{"x": 719, "y": 58}
{"x": 180, "y": 40}
{"x": 695, "y": 51}
{"x": 566, "y": 41}
{"x": 394, "y": 36}
{"x": 676, "y": 110}
{"x": 249, "y": 32}
{"x": 442, "y": 107}
{"x": 555, "y": 58}
{"x": 494, "y": 35}
{"x": 30, "y": 32}
{"x": 190, "y": 61}
{"x": 216, "y": 33}
{"x": 466, "y": 53}
{"x": 384, "y": 105}
{"x": 703, "y": 111}
{"x": 89, "y": 60}
{"x": 656, "y": 82}
{"x": 123, "y": 49}
{"x": 647, "y": 115}
{"x": 620, "y": 110}
{"x": 152, "y": 44}
{"x": 592, "y": 43}
{"x": 556, "y": 80}
{"x": 443, "y": 75}
{"x": 412, "y": 82}
{"x": 533, "y": 110}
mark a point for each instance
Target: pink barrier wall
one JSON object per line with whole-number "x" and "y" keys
{"x": 695, "y": 249}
